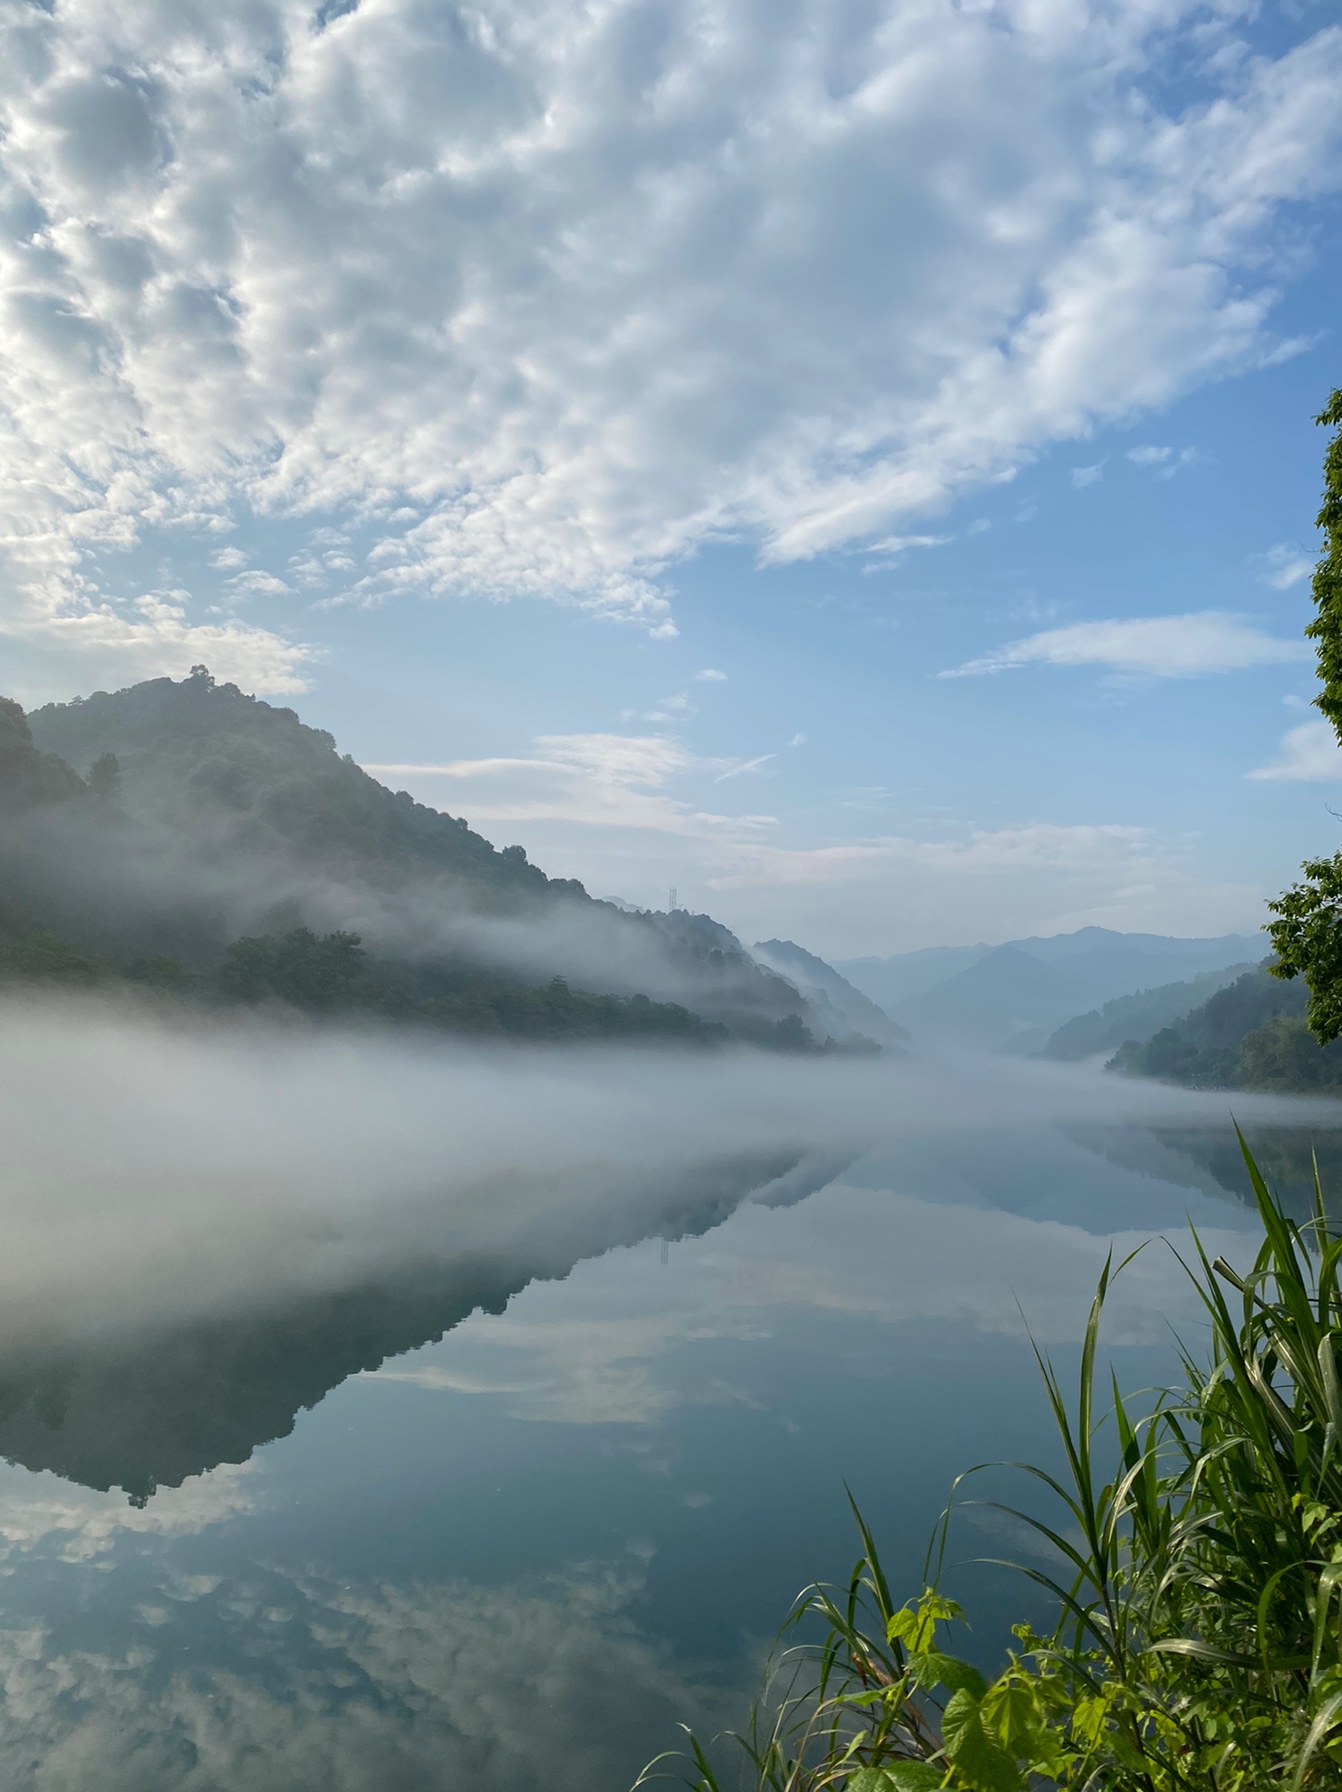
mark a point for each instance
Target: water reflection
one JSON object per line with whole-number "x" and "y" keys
{"x": 299, "y": 1681}
{"x": 145, "y": 1407}
{"x": 446, "y": 1471}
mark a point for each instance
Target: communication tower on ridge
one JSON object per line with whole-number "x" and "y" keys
{"x": 671, "y": 904}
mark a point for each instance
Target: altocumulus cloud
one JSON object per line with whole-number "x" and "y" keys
{"x": 1145, "y": 647}
{"x": 543, "y": 295}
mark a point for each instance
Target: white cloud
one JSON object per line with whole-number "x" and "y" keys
{"x": 152, "y": 637}
{"x": 229, "y": 559}
{"x": 1146, "y": 647}
{"x": 1164, "y": 462}
{"x": 1285, "y": 565}
{"x": 711, "y": 675}
{"x": 1308, "y": 754}
{"x": 547, "y": 295}
{"x": 892, "y": 548}
{"x": 628, "y": 813}
{"x": 606, "y": 781}
{"x": 893, "y": 892}
{"x": 1149, "y": 456}
{"x": 1084, "y": 476}
{"x": 263, "y": 584}
{"x": 1033, "y": 846}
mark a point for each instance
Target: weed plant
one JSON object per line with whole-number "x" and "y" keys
{"x": 1198, "y": 1585}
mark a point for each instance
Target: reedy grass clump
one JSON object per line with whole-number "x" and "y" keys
{"x": 1198, "y": 1585}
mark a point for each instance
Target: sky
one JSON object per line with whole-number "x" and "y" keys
{"x": 850, "y": 461}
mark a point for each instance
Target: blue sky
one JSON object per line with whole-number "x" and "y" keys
{"x": 852, "y": 462}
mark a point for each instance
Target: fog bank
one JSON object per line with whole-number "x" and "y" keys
{"x": 156, "y": 1169}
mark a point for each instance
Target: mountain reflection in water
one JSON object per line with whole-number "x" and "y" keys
{"x": 446, "y": 1472}
{"x": 147, "y": 1408}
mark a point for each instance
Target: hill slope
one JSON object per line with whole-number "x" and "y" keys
{"x": 1250, "y": 1035}
{"x": 828, "y": 992}
{"x": 218, "y": 815}
{"x": 1134, "y": 1017}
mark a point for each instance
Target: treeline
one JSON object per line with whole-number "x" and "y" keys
{"x": 1251, "y": 1035}
{"x": 332, "y": 976}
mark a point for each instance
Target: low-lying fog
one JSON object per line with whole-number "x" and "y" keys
{"x": 155, "y": 1171}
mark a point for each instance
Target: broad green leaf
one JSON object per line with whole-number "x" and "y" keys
{"x": 915, "y": 1625}
{"x": 983, "y": 1765}
{"x": 932, "y": 1668}
{"x": 1012, "y": 1713}
{"x": 897, "y": 1776}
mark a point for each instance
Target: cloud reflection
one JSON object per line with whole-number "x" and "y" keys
{"x": 336, "y": 1688}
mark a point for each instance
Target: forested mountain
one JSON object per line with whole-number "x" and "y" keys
{"x": 829, "y": 993}
{"x": 1134, "y": 1017}
{"x": 204, "y": 817}
{"x": 1013, "y": 997}
{"x": 1250, "y": 1035}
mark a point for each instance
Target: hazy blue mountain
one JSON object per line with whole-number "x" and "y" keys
{"x": 888, "y": 981}
{"x": 821, "y": 983}
{"x": 991, "y": 1003}
{"x": 1134, "y": 1017}
{"x": 1204, "y": 954}
{"x": 1017, "y": 1002}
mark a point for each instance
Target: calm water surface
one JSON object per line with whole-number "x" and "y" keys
{"x": 359, "y": 1554}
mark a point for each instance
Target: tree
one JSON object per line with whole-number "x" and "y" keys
{"x": 1326, "y": 627}
{"x": 298, "y": 968}
{"x": 1307, "y": 933}
{"x": 104, "y": 778}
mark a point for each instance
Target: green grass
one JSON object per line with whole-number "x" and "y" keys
{"x": 1197, "y": 1581}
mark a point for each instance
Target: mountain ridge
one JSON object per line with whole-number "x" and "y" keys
{"x": 1014, "y": 996}
{"x": 820, "y": 983}
{"x": 222, "y": 816}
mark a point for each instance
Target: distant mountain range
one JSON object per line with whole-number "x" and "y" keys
{"x": 1015, "y": 996}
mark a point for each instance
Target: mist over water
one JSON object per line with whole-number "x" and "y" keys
{"x": 382, "y": 1410}
{"x": 157, "y": 1168}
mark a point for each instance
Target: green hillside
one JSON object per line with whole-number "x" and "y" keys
{"x": 1134, "y": 1017}
{"x": 210, "y": 831}
{"x": 1250, "y": 1035}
